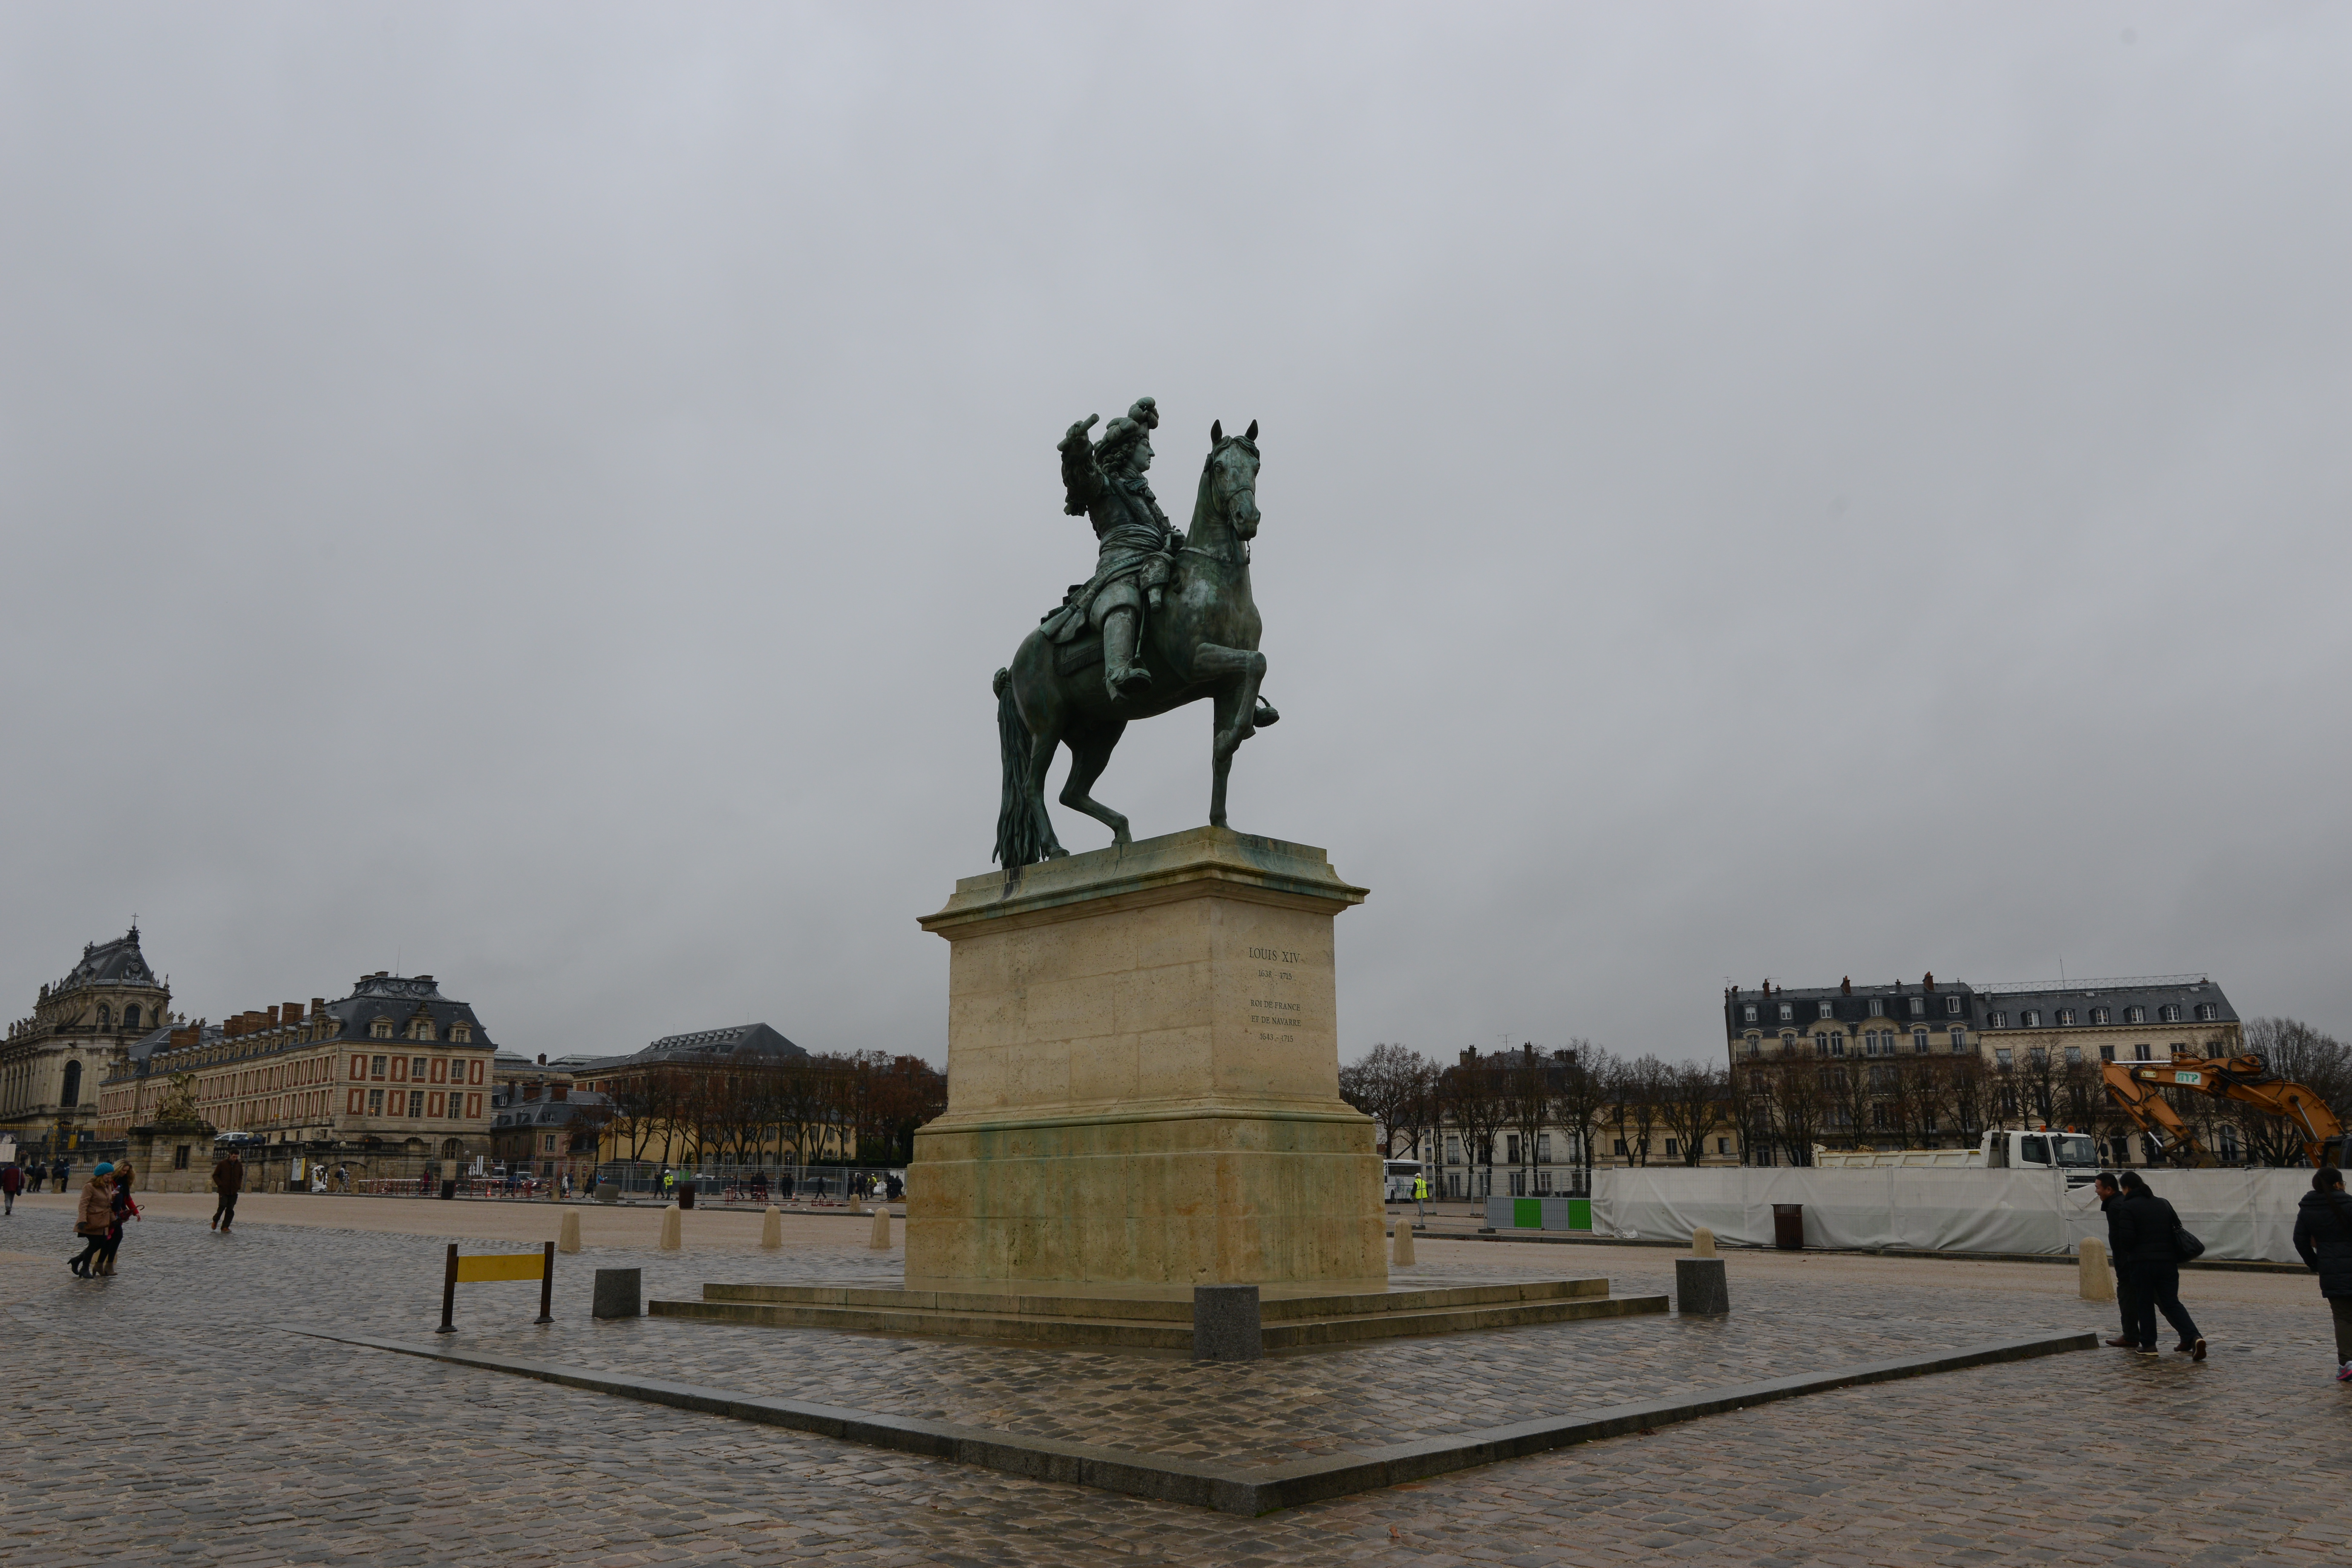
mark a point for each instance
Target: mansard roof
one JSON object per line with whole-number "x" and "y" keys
{"x": 116, "y": 962}
{"x": 401, "y": 998}
{"x": 734, "y": 1043}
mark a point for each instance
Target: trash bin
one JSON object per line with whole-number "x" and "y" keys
{"x": 1789, "y": 1227}
{"x": 686, "y": 1194}
{"x": 448, "y": 1186}
{"x": 608, "y": 1192}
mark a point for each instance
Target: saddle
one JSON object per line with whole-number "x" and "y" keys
{"x": 1079, "y": 653}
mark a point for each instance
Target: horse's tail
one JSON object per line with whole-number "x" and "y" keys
{"x": 1016, "y": 818}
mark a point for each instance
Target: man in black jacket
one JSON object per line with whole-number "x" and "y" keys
{"x": 2111, "y": 1198}
{"x": 2147, "y": 1258}
{"x": 2323, "y": 1236}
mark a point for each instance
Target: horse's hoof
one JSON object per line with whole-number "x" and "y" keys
{"x": 1265, "y": 717}
{"x": 1057, "y": 853}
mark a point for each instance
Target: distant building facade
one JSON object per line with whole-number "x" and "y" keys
{"x": 395, "y": 1069}
{"x": 1938, "y": 1063}
{"x": 81, "y": 1028}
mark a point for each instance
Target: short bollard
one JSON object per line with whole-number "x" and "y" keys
{"x": 619, "y": 1293}
{"x": 1700, "y": 1289}
{"x": 672, "y": 1237}
{"x": 567, "y": 1234}
{"x": 1403, "y": 1240}
{"x": 771, "y": 1229}
{"x": 1702, "y": 1242}
{"x": 1225, "y": 1323}
{"x": 2098, "y": 1285}
{"x": 879, "y": 1240}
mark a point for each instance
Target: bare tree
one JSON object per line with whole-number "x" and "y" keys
{"x": 1472, "y": 1091}
{"x": 1800, "y": 1105}
{"x": 1691, "y": 1102}
{"x": 1384, "y": 1084}
{"x": 1580, "y": 1100}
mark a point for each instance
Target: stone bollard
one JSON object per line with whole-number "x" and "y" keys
{"x": 672, "y": 1237}
{"x": 608, "y": 1192}
{"x": 1700, "y": 1289}
{"x": 1225, "y": 1323}
{"x": 567, "y": 1237}
{"x": 880, "y": 1240}
{"x": 1403, "y": 1241}
{"x": 619, "y": 1293}
{"x": 856, "y": 1203}
{"x": 1702, "y": 1242}
{"x": 2098, "y": 1285}
{"x": 771, "y": 1229}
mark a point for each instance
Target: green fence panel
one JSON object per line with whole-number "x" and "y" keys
{"x": 1526, "y": 1214}
{"x": 1579, "y": 1213}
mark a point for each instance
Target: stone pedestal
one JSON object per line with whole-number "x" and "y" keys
{"x": 1143, "y": 1075}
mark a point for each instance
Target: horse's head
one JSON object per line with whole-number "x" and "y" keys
{"x": 1229, "y": 483}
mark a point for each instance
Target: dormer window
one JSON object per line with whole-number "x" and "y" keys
{"x": 1918, "y": 1006}
{"x": 1825, "y": 1009}
{"x": 2207, "y": 1012}
{"x": 1748, "y": 1012}
{"x": 2065, "y": 1016}
{"x": 1997, "y": 1021}
{"x": 2031, "y": 1018}
{"x": 463, "y": 1034}
{"x": 2100, "y": 1016}
{"x": 1788, "y": 1013}
{"x": 1952, "y": 1006}
{"x": 381, "y": 1029}
{"x": 2134, "y": 1014}
{"x": 2172, "y": 1012}
{"x": 421, "y": 1030}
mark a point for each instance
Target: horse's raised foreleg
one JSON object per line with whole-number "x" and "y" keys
{"x": 1089, "y": 755}
{"x": 1233, "y": 708}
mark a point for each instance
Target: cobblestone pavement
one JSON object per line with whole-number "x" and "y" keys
{"x": 160, "y": 1416}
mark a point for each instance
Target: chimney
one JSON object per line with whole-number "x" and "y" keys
{"x": 1928, "y": 982}
{"x": 1845, "y": 987}
{"x": 543, "y": 1058}
{"x": 272, "y": 1017}
{"x": 318, "y": 1005}
{"x": 290, "y": 1012}
{"x": 426, "y": 978}
{"x": 561, "y": 1091}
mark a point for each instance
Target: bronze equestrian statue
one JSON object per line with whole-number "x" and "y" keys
{"x": 1166, "y": 616}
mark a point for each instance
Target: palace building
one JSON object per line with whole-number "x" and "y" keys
{"x": 81, "y": 1028}
{"x": 395, "y": 1067}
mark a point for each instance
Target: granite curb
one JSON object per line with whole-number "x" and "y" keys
{"x": 1910, "y": 1254}
{"x": 1245, "y": 1492}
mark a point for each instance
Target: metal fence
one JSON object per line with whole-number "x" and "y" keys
{"x": 787, "y": 1186}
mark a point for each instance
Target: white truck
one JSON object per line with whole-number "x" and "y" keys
{"x": 2073, "y": 1152}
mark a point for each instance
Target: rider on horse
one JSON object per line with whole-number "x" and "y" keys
{"x": 1105, "y": 482}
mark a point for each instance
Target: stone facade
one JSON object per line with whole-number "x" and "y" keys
{"x": 80, "y": 1031}
{"x": 1143, "y": 1075}
{"x": 395, "y": 1069}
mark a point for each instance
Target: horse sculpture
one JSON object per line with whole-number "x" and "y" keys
{"x": 1201, "y": 643}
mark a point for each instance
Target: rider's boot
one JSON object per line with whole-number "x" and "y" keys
{"x": 1121, "y": 674}
{"x": 1265, "y": 715}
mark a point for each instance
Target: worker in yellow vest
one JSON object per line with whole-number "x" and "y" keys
{"x": 1420, "y": 1197}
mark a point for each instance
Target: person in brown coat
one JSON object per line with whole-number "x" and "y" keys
{"x": 94, "y": 1219}
{"x": 228, "y": 1180}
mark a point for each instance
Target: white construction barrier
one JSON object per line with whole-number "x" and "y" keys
{"x": 2239, "y": 1214}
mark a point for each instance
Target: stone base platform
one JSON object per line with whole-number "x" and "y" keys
{"x": 1135, "y": 1317}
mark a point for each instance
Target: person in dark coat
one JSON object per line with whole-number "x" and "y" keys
{"x": 2150, "y": 1263}
{"x": 2323, "y": 1235}
{"x": 2111, "y": 1198}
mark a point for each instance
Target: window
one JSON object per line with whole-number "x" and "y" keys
{"x": 1959, "y": 1039}
{"x": 2134, "y": 1014}
{"x": 2171, "y": 1014}
{"x": 1918, "y": 1006}
{"x": 1453, "y": 1148}
{"x": 180, "y": 1158}
{"x": 1543, "y": 1148}
{"x": 1755, "y": 1048}
{"x": 1788, "y": 1013}
{"x": 2074, "y": 1056}
{"x": 376, "y": 1067}
{"x": 2037, "y": 1054}
{"x": 1511, "y": 1149}
{"x": 2206, "y": 1013}
{"x": 2065, "y": 1018}
{"x": 1452, "y": 1184}
{"x": 2100, "y": 1016}
{"x": 2033, "y": 1151}
{"x": 462, "y": 1034}
{"x": 1836, "y": 1044}
{"x": 375, "y": 1102}
{"x": 2146, "y": 1053}
{"x": 1788, "y": 1041}
{"x": 1951, "y": 1007}
{"x": 2001, "y": 1057}
{"x": 130, "y": 1017}
{"x": 381, "y": 1029}
{"x": 416, "y": 1068}
{"x": 1825, "y": 1009}
{"x": 1878, "y": 1118}
{"x": 1543, "y": 1178}
{"x": 1870, "y": 1042}
{"x": 1997, "y": 1021}
{"x": 1919, "y": 1042}
{"x": 2107, "y": 1053}
{"x": 421, "y": 1030}
{"x": 1672, "y": 1151}
{"x": 2031, "y": 1018}
{"x": 416, "y": 1102}
{"x": 1519, "y": 1183}
{"x": 1723, "y": 1146}
{"x": 1621, "y": 1148}
{"x": 1748, "y": 1013}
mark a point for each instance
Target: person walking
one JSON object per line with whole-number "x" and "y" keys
{"x": 62, "y": 1171}
{"x": 228, "y": 1180}
{"x": 94, "y": 1219}
{"x": 12, "y": 1181}
{"x": 2323, "y": 1235}
{"x": 1420, "y": 1196}
{"x": 123, "y": 1208}
{"x": 2111, "y": 1198}
{"x": 2151, "y": 1263}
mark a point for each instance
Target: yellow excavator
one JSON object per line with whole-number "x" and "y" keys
{"x": 2247, "y": 1079}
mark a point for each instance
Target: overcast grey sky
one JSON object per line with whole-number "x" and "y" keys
{"x": 535, "y": 494}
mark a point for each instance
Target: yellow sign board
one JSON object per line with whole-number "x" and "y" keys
{"x": 484, "y": 1265}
